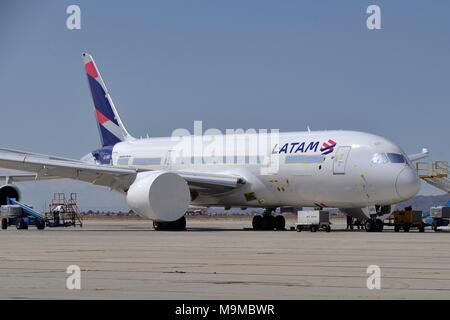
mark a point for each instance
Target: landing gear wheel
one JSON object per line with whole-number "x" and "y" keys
{"x": 176, "y": 225}
{"x": 379, "y": 225}
{"x": 280, "y": 222}
{"x": 40, "y": 225}
{"x": 21, "y": 225}
{"x": 435, "y": 226}
{"x": 4, "y": 224}
{"x": 268, "y": 222}
{"x": 257, "y": 222}
{"x": 370, "y": 226}
{"x": 181, "y": 223}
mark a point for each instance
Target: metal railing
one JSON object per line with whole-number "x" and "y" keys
{"x": 432, "y": 170}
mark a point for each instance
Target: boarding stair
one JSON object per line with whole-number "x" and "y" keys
{"x": 64, "y": 212}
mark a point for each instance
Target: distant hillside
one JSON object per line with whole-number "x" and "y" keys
{"x": 425, "y": 202}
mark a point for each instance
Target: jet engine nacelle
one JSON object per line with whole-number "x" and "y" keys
{"x": 159, "y": 195}
{"x": 9, "y": 191}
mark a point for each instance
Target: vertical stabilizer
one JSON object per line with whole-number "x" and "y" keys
{"x": 109, "y": 123}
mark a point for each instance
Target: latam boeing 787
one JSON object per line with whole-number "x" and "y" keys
{"x": 360, "y": 173}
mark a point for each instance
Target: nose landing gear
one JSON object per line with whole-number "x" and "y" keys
{"x": 268, "y": 221}
{"x": 374, "y": 225}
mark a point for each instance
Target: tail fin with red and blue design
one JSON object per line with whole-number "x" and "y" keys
{"x": 110, "y": 126}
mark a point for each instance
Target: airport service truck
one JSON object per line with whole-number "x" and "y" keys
{"x": 441, "y": 218}
{"x": 313, "y": 220}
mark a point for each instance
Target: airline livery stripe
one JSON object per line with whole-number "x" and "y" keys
{"x": 304, "y": 159}
{"x": 100, "y": 101}
{"x": 100, "y": 117}
{"x": 90, "y": 69}
{"x": 113, "y": 128}
{"x": 326, "y": 148}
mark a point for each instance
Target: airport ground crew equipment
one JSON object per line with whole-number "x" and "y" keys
{"x": 440, "y": 216}
{"x": 64, "y": 212}
{"x": 406, "y": 219}
{"x": 20, "y": 215}
{"x": 313, "y": 220}
{"x": 434, "y": 173}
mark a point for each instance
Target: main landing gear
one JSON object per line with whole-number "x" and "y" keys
{"x": 268, "y": 221}
{"x": 176, "y": 225}
{"x": 374, "y": 225}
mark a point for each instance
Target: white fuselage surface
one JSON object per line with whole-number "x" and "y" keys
{"x": 359, "y": 170}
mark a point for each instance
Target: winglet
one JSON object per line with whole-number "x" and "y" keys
{"x": 418, "y": 156}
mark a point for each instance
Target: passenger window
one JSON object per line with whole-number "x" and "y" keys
{"x": 123, "y": 161}
{"x": 146, "y": 161}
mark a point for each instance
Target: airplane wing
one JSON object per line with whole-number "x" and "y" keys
{"x": 18, "y": 176}
{"x": 418, "y": 156}
{"x": 41, "y": 167}
{"x": 47, "y": 167}
{"x": 211, "y": 182}
{"x": 8, "y": 150}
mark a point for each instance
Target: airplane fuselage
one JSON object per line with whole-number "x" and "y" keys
{"x": 342, "y": 169}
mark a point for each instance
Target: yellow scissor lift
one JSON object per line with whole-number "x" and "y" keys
{"x": 434, "y": 173}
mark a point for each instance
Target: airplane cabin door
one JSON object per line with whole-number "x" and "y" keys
{"x": 340, "y": 160}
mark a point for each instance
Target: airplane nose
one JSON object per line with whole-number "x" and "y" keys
{"x": 407, "y": 184}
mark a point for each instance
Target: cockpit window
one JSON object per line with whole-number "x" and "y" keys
{"x": 380, "y": 158}
{"x": 388, "y": 158}
{"x": 396, "y": 158}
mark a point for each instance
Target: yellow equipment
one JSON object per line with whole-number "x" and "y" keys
{"x": 407, "y": 219}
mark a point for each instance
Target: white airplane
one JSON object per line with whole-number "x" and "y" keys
{"x": 360, "y": 173}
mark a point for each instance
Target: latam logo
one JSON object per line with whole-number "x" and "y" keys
{"x": 328, "y": 147}
{"x": 303, "y": 147}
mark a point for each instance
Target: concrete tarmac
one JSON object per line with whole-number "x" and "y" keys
{"x": 217, "y": 259}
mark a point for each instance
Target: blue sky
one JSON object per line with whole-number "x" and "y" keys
{"x": 232, "y": 64}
